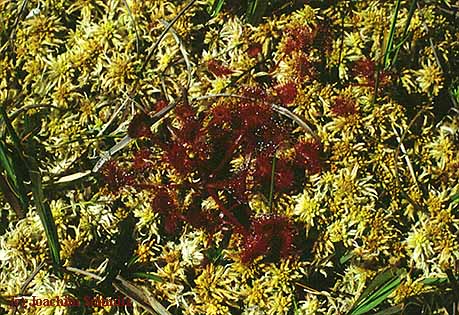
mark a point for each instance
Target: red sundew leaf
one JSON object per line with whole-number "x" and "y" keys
{"x": 217, "y": 69}
{"x": 254, "y": 50}
{"x": 298, "y": 38}
{"x": 308, "y": 156}
{"x": 263, "y": 167}
{"x": 254, "y": 92}
{"x": 304, "y": 67}
{"x": 344, "y": 107}
{"x": 200, "y": 219}
{"x": 286, "y": 92}
{"x": 160, "y": 104}
{"x": 284, "y": 176}
{"x": 254, "y": 246}
{"x": 142, "y": 160}
{"x": 271, "y": 236}
{"x": 366, "y": 68}
{"x": 178, "y": 157}
{"x": 255, "y": 115}
{"x": 236, "y": 185}
{"x": 139, "y": 126}
{"x": 243, "y": 214}
{"x": 221, "y": 114}
{"x": 115, "y": 177}
{"x": 163, "y": 202}
{"x": 172, "y": 221}
{"x": 190, "y": 124}
{"x": 324, "y": 37}
{"x": 202, "y": 151}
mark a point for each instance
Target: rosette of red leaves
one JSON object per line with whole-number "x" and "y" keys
{"x": 201, "y": 147}
{"x": 271, "y": 236}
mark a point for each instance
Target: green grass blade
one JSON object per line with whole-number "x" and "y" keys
{"x": 9, "y": 126}
{"x": 11, "y": 197}
{"x": 377, "y": 291}
{"x": 378, "y": 297}
{"x": 5, "y": 162}
{"x": 346, "y": 257}
{"x": 454, "y": 198}
{"x": 377, "y": 282}
{"x": 434, "y": 281}
{"x": 46, "y": 217}
{"x": 216, "y": 7}
{"x": 390, "y": 40}
{"x": 255, "y": 10}
{"x": 144, "y": 275}
{"x": 15, "y": 178}
{"x": 405, "y": 31}
{"x": 137, "y": 37}
{"x": 14, "y": 165}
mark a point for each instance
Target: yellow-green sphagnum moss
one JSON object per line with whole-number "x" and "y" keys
{"x": 299, "y": 159}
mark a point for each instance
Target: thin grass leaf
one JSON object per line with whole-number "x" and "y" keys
{"x": 166, "y": 30}
{"x": 16, "y": 21}
{"x": 405, "y": 31}
{"x": 216, "y": 7}
{"x": 182, "y": 51}
{"x": 377, "y": 291}
{"x": 13, "y": 185}
{"x": 106, "y": 156}
{"x": 46, "y": 217}
{"x": 27, "y": 282}
{"x": 135, "y": 26}
{"x": 29, "y": 279}
{"x": 72, "y": 177}
{"x": 346, "y": 257}
{"x": 296, "y": 310}
{"x": 14, "y": 163}
{"x": 434, "y": 281}
{"x": 376, "y": 283}
{"x": 255, "y": 10}
{"x": 147, "y": 276}
{"x": 377, "y": 298}
{"x": 454, "y": 198}
{"x": 9, "y": 126}
{"x": 390, "y": 40}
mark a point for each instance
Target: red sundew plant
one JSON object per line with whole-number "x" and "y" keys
{"x": 286, "y": 92}
{"x": 218, "y": 69}
{"x": 304, "y": 68}
{"x": 142, "y": 160}
{"x": 298, "y": 38}
{"x": 200, "y": 147}
{"x": 366, "y": 69}
{"x": 139, "y": 126}
{"x": 344, "y": 107}
{"x": 116, "y": 177}
{"x": 272, "y": 236}
{"x": 254, "y": 50}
